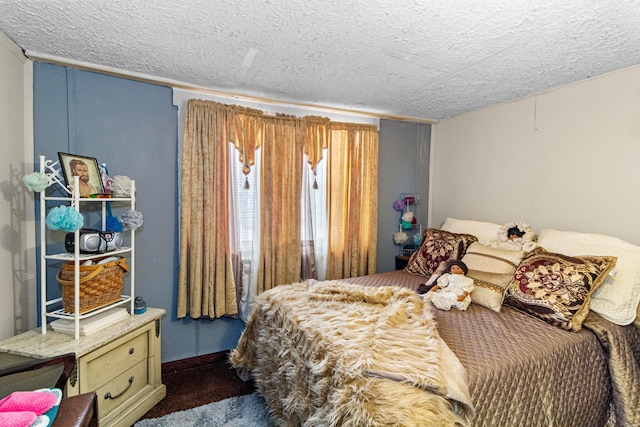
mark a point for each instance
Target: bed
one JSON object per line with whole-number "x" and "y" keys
{"x": 370, "y": 351}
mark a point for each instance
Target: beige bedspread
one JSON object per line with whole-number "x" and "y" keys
{"x": 336, "y": 354}
{"x": 524, "y": 372}
{"x": 622, "y": 347}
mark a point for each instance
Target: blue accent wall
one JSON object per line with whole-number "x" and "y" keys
{"x": 132, "y": 127}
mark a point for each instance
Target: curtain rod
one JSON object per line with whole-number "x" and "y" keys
{"x": 145, "y": 78}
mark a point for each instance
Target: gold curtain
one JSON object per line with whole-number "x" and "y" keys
{"x": 247, "y": 134}
{"x": 281, "y": 181}
{"x": 316, "y": 138}
{"x": 353, "y": 200}
{"x": 206, "y": 286}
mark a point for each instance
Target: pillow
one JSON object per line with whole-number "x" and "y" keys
{"x": 484, "y": 231}
{"x": 557, "y": 288}
{"x": 617, "y": 299}
{"x": 491, "y": 270}
{"x": 437, "y": 246}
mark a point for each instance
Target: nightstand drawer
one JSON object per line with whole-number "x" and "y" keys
{"x": 113, "y": 362}
{"x": 105, "y": 361}
{"x": 120, "y": 389}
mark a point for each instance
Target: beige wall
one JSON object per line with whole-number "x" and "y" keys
{"x": 568, "y": 158}
{"x": 17, "y": 235}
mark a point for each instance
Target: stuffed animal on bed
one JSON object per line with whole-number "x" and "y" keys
{"x": 452, "y": 289}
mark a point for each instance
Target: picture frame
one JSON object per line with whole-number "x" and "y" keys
{"x": 87, "y": 170}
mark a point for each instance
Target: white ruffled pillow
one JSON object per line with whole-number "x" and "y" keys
{"x": 617, "y": 298}
{"x": 483, "y": 230}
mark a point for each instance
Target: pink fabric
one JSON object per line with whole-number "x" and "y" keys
{"x": 17, "y": 419}
{"x": 31, "y": 401}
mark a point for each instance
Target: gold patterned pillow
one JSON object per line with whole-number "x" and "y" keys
{"x": 557, "y": 288}
{"x": 437, "y": 246}
{"x": 491, "y": 270}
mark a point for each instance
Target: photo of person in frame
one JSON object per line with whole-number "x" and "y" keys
{"x": 86, "y": 169}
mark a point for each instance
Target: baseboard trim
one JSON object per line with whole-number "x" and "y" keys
{"x": 193, "y": 362}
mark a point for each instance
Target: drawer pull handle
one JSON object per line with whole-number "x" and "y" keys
{"x": 108, "y": 394}
{"x": 131, "y": 350}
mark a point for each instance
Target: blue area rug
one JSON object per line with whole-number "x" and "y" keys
{"x": 241, "y": 411}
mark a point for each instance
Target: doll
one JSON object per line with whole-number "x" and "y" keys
{"x": 514, "y": 236}
{"x": 452, "y": 288}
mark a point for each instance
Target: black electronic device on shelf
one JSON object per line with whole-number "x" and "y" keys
{"x": 94, "y": 241}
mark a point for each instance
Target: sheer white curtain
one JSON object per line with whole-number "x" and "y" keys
{"x": 245, "y": 226}
{"x": 245, "y": 223}
{"x": 314, "y": 215}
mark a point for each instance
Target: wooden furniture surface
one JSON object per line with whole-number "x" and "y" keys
{"x": 402, "y": 261}
{"x": 121, "y": 363}
{"x": 77, "y": 411}
{"x": 22, "y": 373}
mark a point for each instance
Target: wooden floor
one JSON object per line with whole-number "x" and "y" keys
{"x": 198, "y": 381}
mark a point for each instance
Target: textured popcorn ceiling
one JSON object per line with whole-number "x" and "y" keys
{"x": 426, "y": 59}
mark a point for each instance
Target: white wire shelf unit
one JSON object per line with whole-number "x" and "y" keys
{"x": 74, "y": 200}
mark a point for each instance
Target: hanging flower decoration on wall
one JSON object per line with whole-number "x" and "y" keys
{"x": 36, "y": 181}
{"x": 407, "y": 217}
{"x": 399, "y": 205}
{"x": 39, "y": 181}
{"x": 131, "y": 220}
{"x": 407, "y": 220}
{"x": 64, "y": 218}
{"x": 121, "y": 186}
{"x": 400, "y": 238}
{"x": 112, "y": 223}
{"x": 417, "y": 239}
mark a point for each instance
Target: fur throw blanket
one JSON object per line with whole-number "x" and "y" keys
{"x": 338, "y": 354}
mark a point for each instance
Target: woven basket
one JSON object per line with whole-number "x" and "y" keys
{"x": 100, "y": 284}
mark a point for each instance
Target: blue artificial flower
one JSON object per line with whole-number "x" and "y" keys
{"x": 417, "y": 239}
{"x": 64, "y": 218}
{"x": 112, "y": 223}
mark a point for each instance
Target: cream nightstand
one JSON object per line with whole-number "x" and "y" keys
{"x": 121, "y": 363}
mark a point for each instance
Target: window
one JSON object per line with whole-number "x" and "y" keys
{"x": 246, "y": 202}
